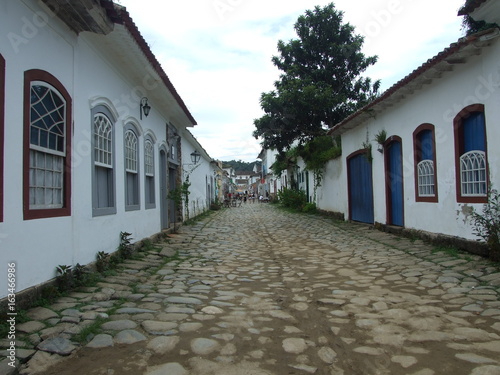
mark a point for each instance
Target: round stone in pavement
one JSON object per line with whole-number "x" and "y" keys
{"x": 486, "y": 370}
{"x": 119, "y": 325}
{"x": 203, "y": 346}
{"x": 30, "y": 327}
{"x": 101, "y": 341}
{"x": 57, "y": 345}
{"x": 41, "y": 313}
{"x": 163, "y": 344}
{"x": 168, "y": 368}
{"x": 184, "y": 300}
{"x": 129, "y": 336}
{"x": 294, "y": 345}
{"x": 158, "y": 328}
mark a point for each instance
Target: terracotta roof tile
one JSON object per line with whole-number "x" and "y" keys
{"x": 119, "y": 15}
{"x": 445, "y": 55}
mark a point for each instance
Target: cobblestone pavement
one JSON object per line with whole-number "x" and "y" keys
{"x": 255, "y": 290}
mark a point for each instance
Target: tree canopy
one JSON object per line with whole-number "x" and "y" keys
{"x": 469, "y": 25}
{"x": 239, "y": 165}
{"x": 320, "y": 84}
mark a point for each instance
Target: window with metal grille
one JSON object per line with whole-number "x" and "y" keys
{"x": 473, "y": 174}
{"x": 149, "y": 172}
{"x": 103, "y": 183}
{"x": 425, "y": 164}
{"x": 47, "y": 147}
{"x": 103, "y": 177}
{"x": 471, "y": 157}
{"x": 426, "y": 178}
{"x": 131, "y": 153}
{"x": 103, "y": 141}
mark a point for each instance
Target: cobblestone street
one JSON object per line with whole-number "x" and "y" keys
{"x": 257, "y": 290}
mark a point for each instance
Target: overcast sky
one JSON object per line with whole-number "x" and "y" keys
{"x": 217, "y": 53}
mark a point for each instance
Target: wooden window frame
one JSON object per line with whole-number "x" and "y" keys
{"x": 459, "y": 151}
{"x": 417, "y": 158}
{"x": 130, "y": 128}
{"x": 65, "y": 210}
{"x": 110, "y": 210}
{"x": 149, "y": 203}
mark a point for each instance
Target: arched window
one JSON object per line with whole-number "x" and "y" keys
{"x": 425, "y": 164}
{"x": 103, "y": 178}
{"x": 471, "y": 161}
{"x": 47, "y": 140}
{"x": 149, "y": 171}
{"x": 473, "y": 174}
{"x": 131, "y": 154}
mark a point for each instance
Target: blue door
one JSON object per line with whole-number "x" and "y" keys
{"x": 394, "y": 172}
{"x": 360, "y": 189}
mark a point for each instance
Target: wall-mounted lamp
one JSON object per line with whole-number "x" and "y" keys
{"x": 195, "y": 157}
{"x": 144, "y": 107}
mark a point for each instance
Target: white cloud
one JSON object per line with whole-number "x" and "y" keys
{"x": 218, "y": 53}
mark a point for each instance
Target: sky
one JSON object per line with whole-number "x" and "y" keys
{"x": 217, "y": 53}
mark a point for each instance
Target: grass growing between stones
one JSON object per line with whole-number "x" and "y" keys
{"x": 198, "y": 218}
{"x": 451, "y": 251}
{"x": 89, "y": 331}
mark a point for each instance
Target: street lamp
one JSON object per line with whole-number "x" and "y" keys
{"x": 144, "y": 107}
{"x": 195, "y": 157}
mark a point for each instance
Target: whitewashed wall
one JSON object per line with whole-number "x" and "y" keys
{"x": 477, "y": 81}
{"x": 201, "y": 177}
{"x": 39, "y": 246}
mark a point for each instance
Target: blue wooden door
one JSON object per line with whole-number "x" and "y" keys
{"x": 360, "y": 189}
{"x": 394, "y": 172}
{"x": 163, "y": 190}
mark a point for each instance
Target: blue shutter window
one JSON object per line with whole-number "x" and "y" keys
{"x": 473, "y": 159}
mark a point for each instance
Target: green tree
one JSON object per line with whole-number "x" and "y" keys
{"x": 469, "y": 25}
{"x": 321, "y": 83}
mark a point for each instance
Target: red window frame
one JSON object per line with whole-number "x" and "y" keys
{"x": 416, "y": 160}
{"x": 29, "y": 214}
{"x": 459, "y": 147}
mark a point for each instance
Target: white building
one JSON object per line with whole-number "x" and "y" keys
{"x": 439, "y": 156}
{"x": 269, "y": 183}
{"x": 83, "y": 159}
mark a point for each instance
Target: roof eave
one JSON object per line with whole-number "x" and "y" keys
{"x": 127, "y": 22}
{"x": 433, "y": 69}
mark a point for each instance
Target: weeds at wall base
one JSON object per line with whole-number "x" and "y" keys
{"x": 48, "y": 292}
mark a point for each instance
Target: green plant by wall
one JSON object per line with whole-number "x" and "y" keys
{"x": 292, "y": 198}
{"x": 102, "y": 261}
{"x": 368, "y": 148}
{"x": 310, "y": 208}
{"x": 180, "y": 195}
{"x": 487, "y": 224}
{"x": 315, "y": 153}
{"x": 64, "y": 277}
{"x": 125, "y": 248}
{"x": 381, "y": 137}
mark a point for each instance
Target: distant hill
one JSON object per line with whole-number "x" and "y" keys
{"x": 239, "y": 165}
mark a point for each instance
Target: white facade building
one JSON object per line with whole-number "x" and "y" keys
{"x": 439, "y": 156}
{"x": 82, "y": 160}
